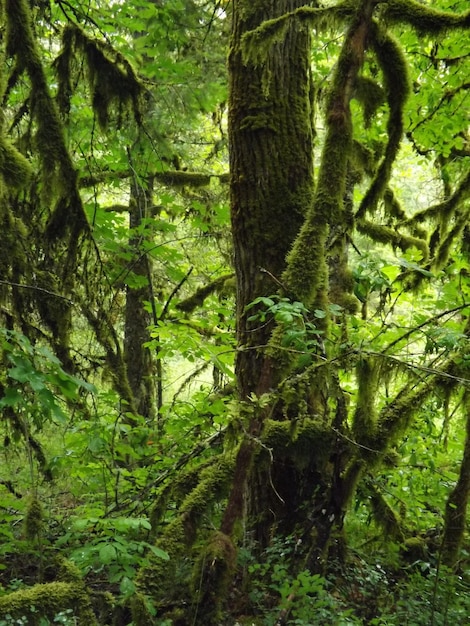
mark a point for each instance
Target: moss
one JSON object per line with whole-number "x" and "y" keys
{"x": 370, "y": 94}
{"x": 424, "y": 18}
{"x": 58, "y": 175}
{"x": 384, "y": 515}
{"x": 365, "y": 416}
{"x": 213, "y": 572}
{"x": 180, "y": 178}
{"x": 387, "y": 235}
{"x": 181, "y": 532}
{"x": 141, "y": 615}
{"x": 415, "y": 548}
{"x": 395, "y": 417}
{"x": 222, "y": 284}
{"x": 14, "y": 167}
{"x": 256, "y": 43}
{"x": 48, "y": 600}
{"x": 306, "y": 444}
{"x": 111, "y": 78}
{"x": 397, "y": 87}
{"x": 34, "y": 521}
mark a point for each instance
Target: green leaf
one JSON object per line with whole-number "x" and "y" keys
{"x": 107, "y": 553}
{"x": 158, "y": 552}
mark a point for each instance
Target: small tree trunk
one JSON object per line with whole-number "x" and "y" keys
{"x": 138, "y": 359}
{"x": 456, "y": 507}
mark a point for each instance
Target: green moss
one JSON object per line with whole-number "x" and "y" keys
{"x": 180, "y": 534}
{"x": 14, "y": 167}
{"x": 384, "y": 515}
{"x": 34, "y": 521}
{"x": 139, "y": 610}
{"x": 371, "y": 96}
{"x": 422, "y": 17}
{"x": 397, "y": 87}
{"x": 180, "y": 178}
{"x": 48, "y": 600}
{"x": 224, "y": 284}
{"x": 307, "y": 443}
{"x": 395, "y": 417}
{"x": 213, "y": 572}
{"x": 365, "y": 416}
{"x": 384, "y": 234}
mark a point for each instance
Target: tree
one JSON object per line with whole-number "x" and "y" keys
{"x": 351, "y": 354}
{"x": 304, "y": 446}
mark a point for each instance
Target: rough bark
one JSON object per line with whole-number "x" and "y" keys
{"x": 271, "y": 166}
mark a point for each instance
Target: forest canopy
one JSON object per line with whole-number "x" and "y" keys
{"x": 235, "y": 305}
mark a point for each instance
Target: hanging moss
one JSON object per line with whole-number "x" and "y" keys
{"x": 444, "y": 249}
{"x": 393, "y": 209}
{"x": 58, "y": 175}
{"x": 371, "y": 96}
{"x": 384, "y": 515}
{"x": 181, "y": 532}
{"x": 447, "y": 208}
{"x": 112, "y": 80}
{"x": 395, "y": 417}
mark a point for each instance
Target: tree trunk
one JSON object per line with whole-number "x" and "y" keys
{"x": 456, "y": 507}
{"x": 138, "y": 359}
{"x": 271, "y": 164}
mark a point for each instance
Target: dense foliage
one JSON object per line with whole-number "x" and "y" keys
{"x": 234, "y": 397}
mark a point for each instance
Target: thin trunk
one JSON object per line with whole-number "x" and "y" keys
{"x": 457, "y": 503}
{"x": 138, "y": 359}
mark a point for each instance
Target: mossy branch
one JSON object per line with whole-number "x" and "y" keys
{"x": 111, "y": 78}
{"x": 397, "y": 87}
{"x": 15, "y": 169}
{"x": 424, "y": 18}
{"x": 387, "y": 235}
{"x": 444, "y": 249}
{"x": 306, "y": 272}
{"x": 365, "y": 416}
{"x": 446, "y": 208}
{"x": 197, "y": 299}
{"x": 57, "y": 170}
{"x": 256, "y": 43}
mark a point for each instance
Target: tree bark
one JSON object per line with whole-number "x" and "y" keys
{"x": 138, "y": 359}
{"x": 271, "y": 165}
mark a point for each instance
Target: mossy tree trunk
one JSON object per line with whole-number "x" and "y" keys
{"x": 271, "y": 161}
{"x": 455, "y": 520}
{"x": 138, "y": 358}
{"x": 282, "y": 230}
